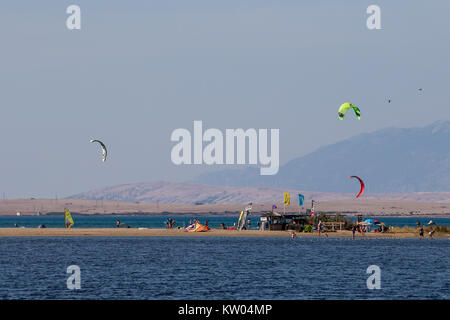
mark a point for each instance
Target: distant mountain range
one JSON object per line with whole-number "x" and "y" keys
{"x": 390, "y": 160}
{"x": 188, "y": 193}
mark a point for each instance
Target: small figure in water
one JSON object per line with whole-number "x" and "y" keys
{"x": 118, "y": 224}
{"x": 293, "y": 235}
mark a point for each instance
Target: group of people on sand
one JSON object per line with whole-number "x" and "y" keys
{"x": 170, "y": 223}
{"x": 421, "y": 230}
{"x": 359, "y": 228}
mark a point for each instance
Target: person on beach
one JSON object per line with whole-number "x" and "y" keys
{"x": 431, "y": 233}
{"x": 248, "y": 224}
{"x": 353, "y": 232}
{"x": 421, "y": 232}
{"x": 319, "y": 226}
{"x": 118, "y": 224}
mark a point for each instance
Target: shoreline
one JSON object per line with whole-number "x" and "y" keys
{"x": 134, "y": 232}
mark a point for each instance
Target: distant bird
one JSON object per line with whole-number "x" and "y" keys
{"x": 420, "y": 89}
{"x": 389, "y": 100}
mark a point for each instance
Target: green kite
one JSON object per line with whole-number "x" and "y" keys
{"x": 344, "y": 108}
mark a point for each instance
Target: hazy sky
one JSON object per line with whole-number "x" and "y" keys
{"x": 137, "y": 70}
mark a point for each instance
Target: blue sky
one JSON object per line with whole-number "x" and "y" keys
{"x": 137, "y": 70}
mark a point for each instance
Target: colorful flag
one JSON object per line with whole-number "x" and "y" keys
{"x": 301, "y": 200}
{"x": 287, "y": 199}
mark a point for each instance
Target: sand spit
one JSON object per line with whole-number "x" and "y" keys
{"x": 134, "y": 232}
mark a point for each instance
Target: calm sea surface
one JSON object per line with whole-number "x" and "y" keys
{"x": 223, "y": 268}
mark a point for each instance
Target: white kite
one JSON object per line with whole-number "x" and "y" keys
{"x": 104, "y": 151}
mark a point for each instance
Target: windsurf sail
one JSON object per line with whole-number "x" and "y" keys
{"x": 241, "y": 220}
{"x": 243, "y": 217}
{"x": 68, "y": 221}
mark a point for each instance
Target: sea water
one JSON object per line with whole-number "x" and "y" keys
{"x": 223, "y": 268}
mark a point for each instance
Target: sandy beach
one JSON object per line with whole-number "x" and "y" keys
{"x": 134, "y": 232}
